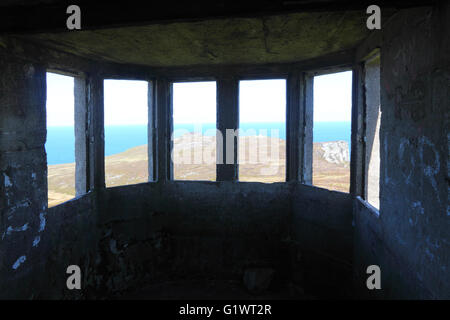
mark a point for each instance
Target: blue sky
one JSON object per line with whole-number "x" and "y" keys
{"x": 260, "y": 100}
{"x": 333, "y": 97}
{"x": 125, "y": 102}
{"x": 60, "y": 100}
{"x": 194, "y": 102}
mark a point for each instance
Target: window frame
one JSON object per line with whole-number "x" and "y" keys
{"x": 310, "y": 96}
{"x": 172, "y": 81}
{"x": 282, "y": 76}
{"x": 298, "y": 104}
{"x": 373, "y": 56}
{"x": 80, "y": 162}
{"x": 358, "y": 166}
{"x": 151, "y": 127}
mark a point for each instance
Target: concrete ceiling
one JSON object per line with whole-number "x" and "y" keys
{"x": 36, "y": 16}
{"x": 256, "y": 40}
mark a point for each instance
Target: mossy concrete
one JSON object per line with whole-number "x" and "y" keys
{"x": 271, "y": 39}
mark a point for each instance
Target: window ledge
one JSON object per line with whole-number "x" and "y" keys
{"x": 368, "y": 206}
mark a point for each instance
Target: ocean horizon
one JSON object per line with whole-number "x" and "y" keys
{"x": 60, "y": 145}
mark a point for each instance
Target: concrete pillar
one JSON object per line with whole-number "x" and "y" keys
{"x": 227, "y": 120}
{"x": 81, "y": 137}
{"x": 96, "y": 133}
{"x": 164, "y": 130}
{"x": 372, "y": 130}
{"x": 294, "y": 149}
{"x": 357, "y": 156}
{"x": 23, "y": 172}
{"x": 306, "y": 127}
{"x": 152, "y": 132}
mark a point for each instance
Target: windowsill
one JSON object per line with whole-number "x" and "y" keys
{"x": 74, "y": 199}
{"x": 325, "y": 188}
{"x": 369, "y": 207}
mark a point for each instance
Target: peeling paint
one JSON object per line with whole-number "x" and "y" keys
{"x": 17, "y": 229}
{"x": 19, "y": 262}
{"x": 430, "y": 171}
{"x": 36, "y": 241}
{"x": 404, "y": 144}
{"x": 113, "y": 246}
{"x": 387, "y": 180}
{"x": 429, "y": 254}
{"x": 22, "y": 204}
{"x": 434, "y": 244}
{"x": 417, "y": 207}
{"x": 42, "y": 221}
{"x": 8, "y": 183}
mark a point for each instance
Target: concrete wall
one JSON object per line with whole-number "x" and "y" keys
{"x": 410, "y": 240}
{"x": 36, "y": 244}
{"x": 70, "y": 238}
{"x": 185, "y": 230}
{"x": 153, "y": 233}
{"x": 322, "y": 241}
{"x": 68, "y": 235}
{"x": 189, "y": 230}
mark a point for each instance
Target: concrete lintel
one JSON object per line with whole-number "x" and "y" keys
{"x": 368, "y": 46}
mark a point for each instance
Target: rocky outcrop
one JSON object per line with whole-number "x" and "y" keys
{"x": 335, "y": 152}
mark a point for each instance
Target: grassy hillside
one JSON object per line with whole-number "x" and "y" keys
{"x": 330, "y": 165}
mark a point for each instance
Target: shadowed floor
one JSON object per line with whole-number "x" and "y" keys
{"x": 211, "y": 290}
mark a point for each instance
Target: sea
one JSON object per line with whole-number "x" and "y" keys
{"x": 60, "y": 145}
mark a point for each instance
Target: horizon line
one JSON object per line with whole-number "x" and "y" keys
{"x": 193, "y": 123}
